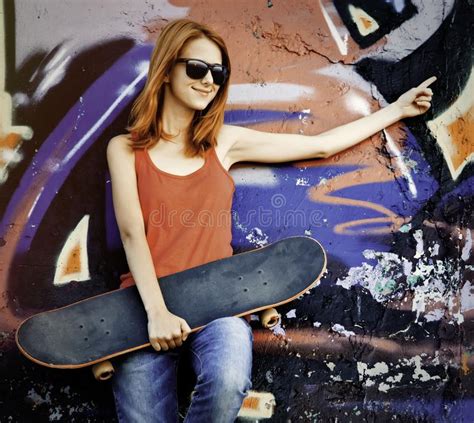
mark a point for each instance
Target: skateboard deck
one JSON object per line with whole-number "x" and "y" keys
{"x": 107, "y": 325}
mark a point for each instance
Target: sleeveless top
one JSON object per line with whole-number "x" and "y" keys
{"x": 187, "y": 218}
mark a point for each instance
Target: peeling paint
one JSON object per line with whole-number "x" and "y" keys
{"x": 387, "y": 334}
{"x": 418, "y": 235}
{"x": 430, "y": 282}
{"x": 341, "y": 330}
{"x": 257, "y": 237}
{"x": 418, "y": 372}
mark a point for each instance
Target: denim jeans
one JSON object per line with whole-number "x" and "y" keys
{"x": 145, "y": 383}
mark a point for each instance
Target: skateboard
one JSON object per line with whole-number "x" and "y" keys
{"x": 94, "y": 330}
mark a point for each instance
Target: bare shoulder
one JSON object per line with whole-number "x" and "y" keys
{"x": 228, "y": 133}
{"x": 120, "y": 146}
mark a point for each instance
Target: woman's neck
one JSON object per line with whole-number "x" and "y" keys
{"x": 176, "y": 118}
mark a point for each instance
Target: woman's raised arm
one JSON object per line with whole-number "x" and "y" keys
{"x": 257, "y": 146}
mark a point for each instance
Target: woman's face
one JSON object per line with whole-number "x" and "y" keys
{"x": 195, "y": 94}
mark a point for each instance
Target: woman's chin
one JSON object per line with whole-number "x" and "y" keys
{"x": 199, "y": 106}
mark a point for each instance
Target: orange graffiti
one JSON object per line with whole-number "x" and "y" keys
{"x": 461, "y": 132}
{"x": 370, "y": 174}
{"x": 74, "y": 261}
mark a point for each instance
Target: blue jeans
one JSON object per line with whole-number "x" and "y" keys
{"x": 145, "y": 382}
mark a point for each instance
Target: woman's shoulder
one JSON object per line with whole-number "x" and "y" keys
{"x": 121, "y": 146}
{"x": 123, "y": 142}
{"x": 227, "y": 132}
{"x": 227, "y": 136}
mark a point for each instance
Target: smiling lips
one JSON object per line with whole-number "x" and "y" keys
{"x": 202, "y": 91}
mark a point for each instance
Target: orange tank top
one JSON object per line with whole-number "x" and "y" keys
{"x": 187, "y": 218}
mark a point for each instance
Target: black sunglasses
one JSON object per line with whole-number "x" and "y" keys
{"x": 197, "y": 69}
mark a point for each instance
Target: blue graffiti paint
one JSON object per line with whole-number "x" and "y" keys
{"x": 73, "y": 136}
{"x": 254, "y": 207}
{"x": 254, "y": 116}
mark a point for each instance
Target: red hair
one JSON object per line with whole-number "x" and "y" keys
{"x": 145, "y": 123}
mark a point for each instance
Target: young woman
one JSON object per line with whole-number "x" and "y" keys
{"x": 171, "y": 187}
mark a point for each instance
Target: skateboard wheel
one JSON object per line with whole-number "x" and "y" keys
{"x": 269, "y": 318}
{"x": 103, "y": 370}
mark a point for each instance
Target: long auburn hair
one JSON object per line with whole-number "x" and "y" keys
{"x": 145, "y": 122}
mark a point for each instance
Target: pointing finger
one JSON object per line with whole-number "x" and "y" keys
{"x": 427, "y": 82}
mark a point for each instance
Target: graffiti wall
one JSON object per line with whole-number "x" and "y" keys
{"x": 388, "y": 334}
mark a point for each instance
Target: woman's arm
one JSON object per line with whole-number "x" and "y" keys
{"x": 130, "y": 222}
{"x": 257, "y": 146}
{"x": 164, "y": 328}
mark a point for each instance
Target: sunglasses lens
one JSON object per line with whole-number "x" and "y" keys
{"x": 218, "y": 75}
{"x": 195, "y": 69}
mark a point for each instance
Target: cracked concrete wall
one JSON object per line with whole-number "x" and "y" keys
{"x": 387, "y": 335}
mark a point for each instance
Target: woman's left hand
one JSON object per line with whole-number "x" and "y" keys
{"x": 417, "y": 100}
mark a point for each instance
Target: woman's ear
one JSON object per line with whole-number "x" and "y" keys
{"x": 166, "y": 79}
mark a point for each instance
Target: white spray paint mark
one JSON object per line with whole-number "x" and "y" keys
{"x": 407, "y": 267}
{"x": 357, "y": 103}
{"x": 398, "y": 5}
{"x": 274, "y": 92}
{"x": 56, "y": 414}
{"x": 418, "y": 235}
{"x": 418, "y": 373}
{"x": 466, "y": 251}
{"x": 303, "y": 116}
{"x": 395, "y": 379}
{"x": 342, "y": 330}
{"x": 369, "y": 382}
{"x": 257, "y": 237}
{"x": 379, "y": 368}
{"x": 302, "y": 182}
{"x": 54, "y": 73}
{"x": 397, "y": 155}
{"x": 278, "y": 330}
{"x": 37, "y": 399}
{"x": 347, "y": 74}
{"x": 341, "y": 43}
{"x": 101, "y": 120}
{"x": 467, "y": 297}
{"x": 434, "y": 315}
{"x": 331, "y": 365}
{"x": 254, "y": 176}
{"x": 434, "y": 250}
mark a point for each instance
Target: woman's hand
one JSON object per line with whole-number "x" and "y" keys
{"x": 417, "y": 100}
{"x": 166, "y": 330}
